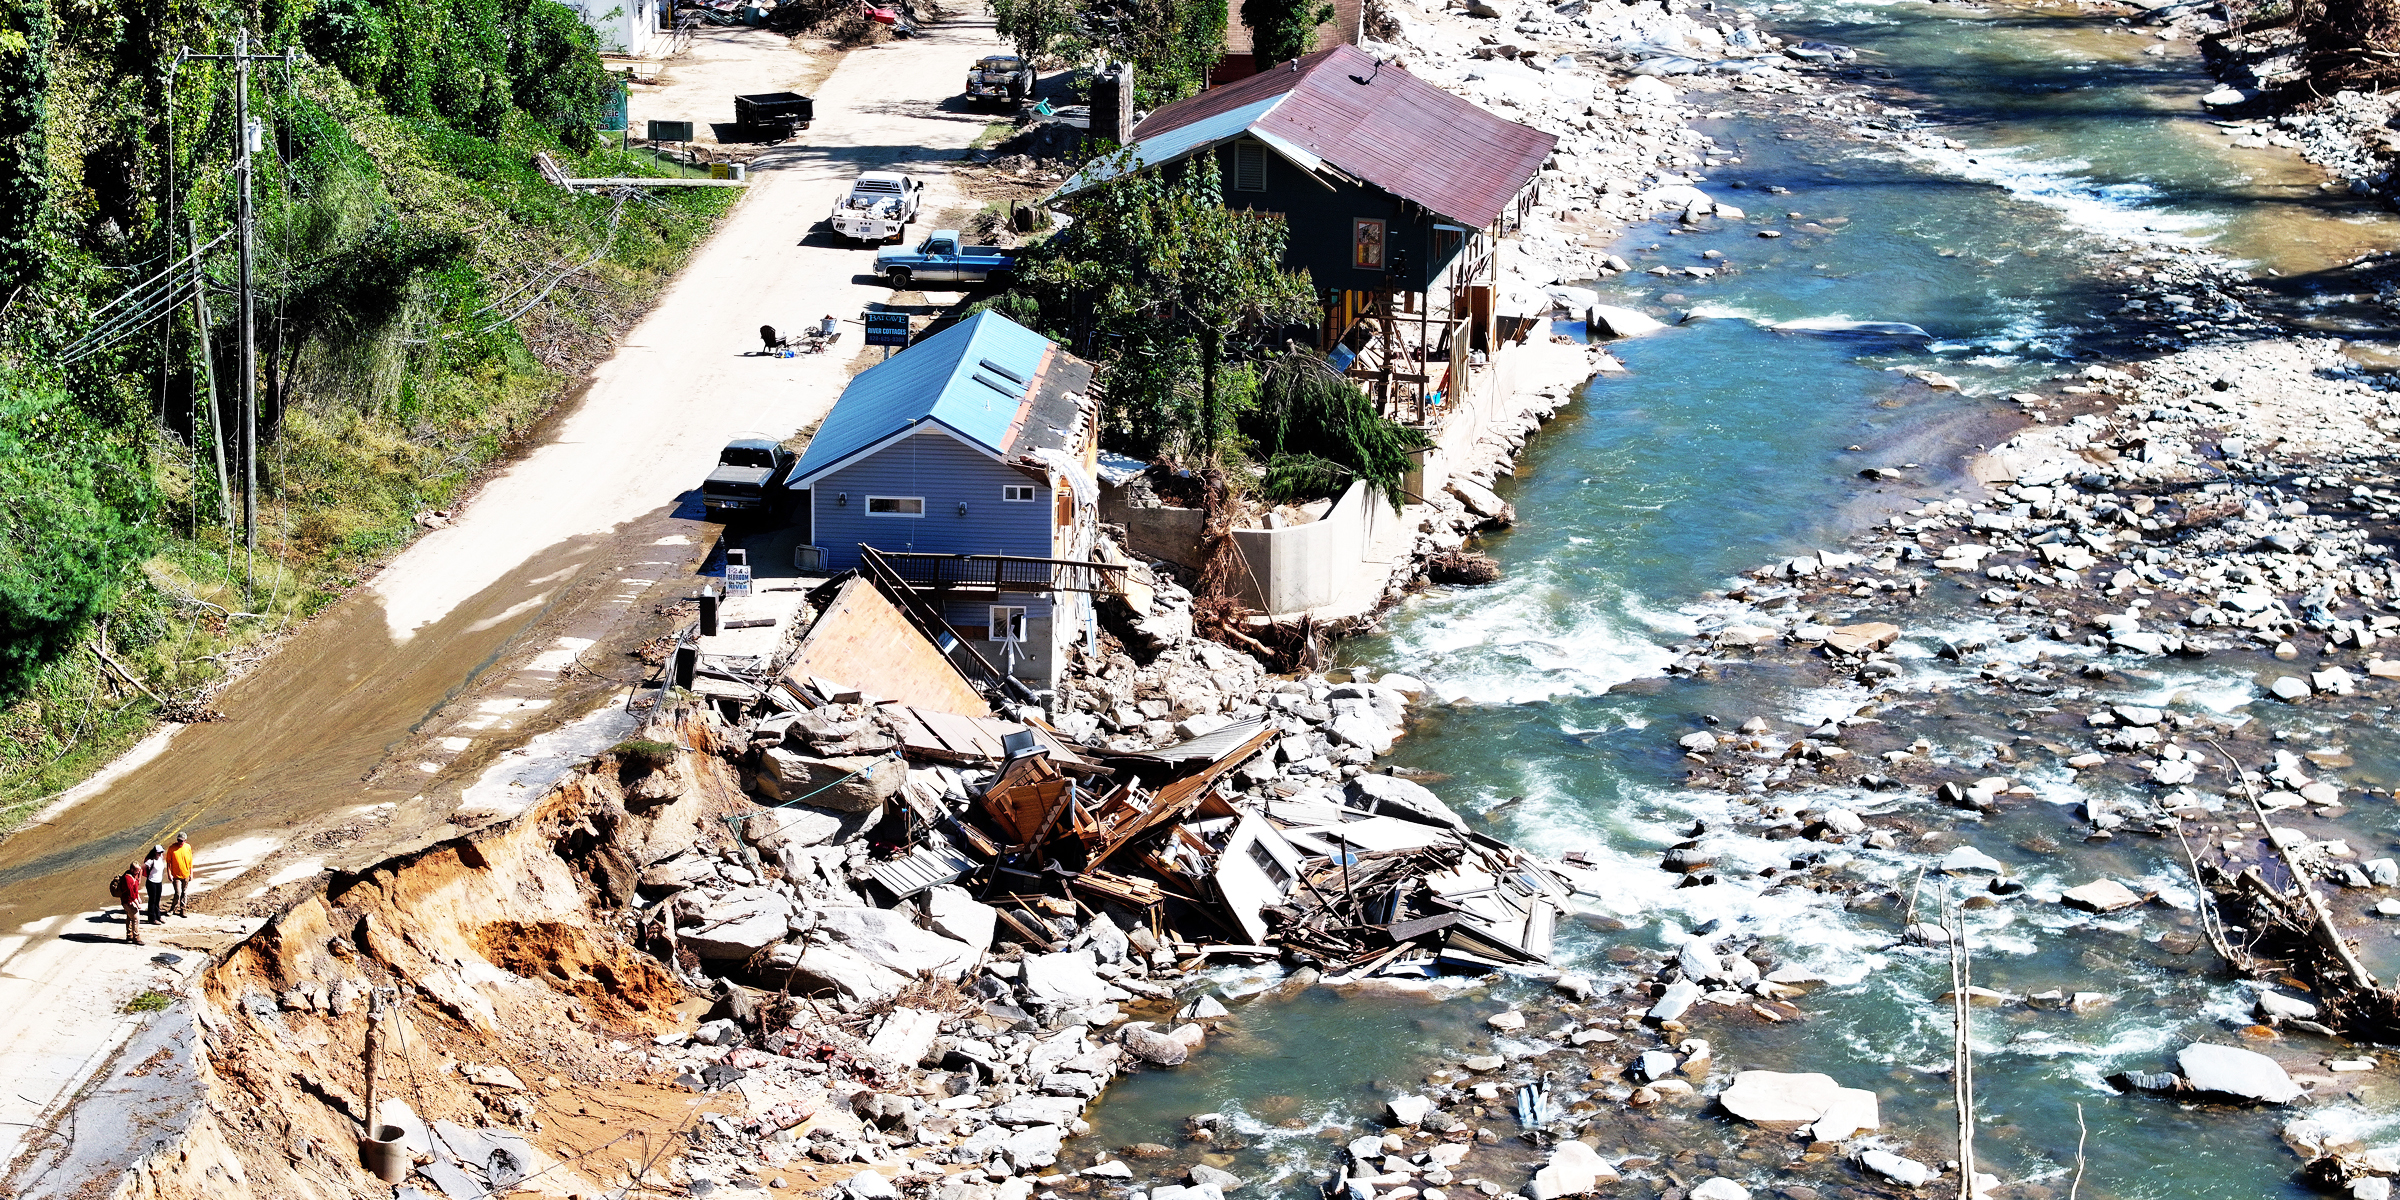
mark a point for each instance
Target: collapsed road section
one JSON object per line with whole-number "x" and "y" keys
{"x": 795, "y": 934}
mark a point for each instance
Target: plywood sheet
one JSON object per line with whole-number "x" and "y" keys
{"x": 862, "y": 641}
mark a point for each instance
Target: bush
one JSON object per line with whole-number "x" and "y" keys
{"x": 75, "y": 523}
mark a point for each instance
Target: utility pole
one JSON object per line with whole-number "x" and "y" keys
{"x": 249, "y": 351}
{"x": 374, "y": 1062}
{"x": 245, "y": 217}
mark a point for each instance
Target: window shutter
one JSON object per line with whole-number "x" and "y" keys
{"x": 1249, "y": 167}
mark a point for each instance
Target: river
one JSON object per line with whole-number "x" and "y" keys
{"x": 1726, "y": 446}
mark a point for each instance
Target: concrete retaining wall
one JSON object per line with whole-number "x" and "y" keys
{"x": 1307, "y": 566}
{"x": 1169, "y": 533}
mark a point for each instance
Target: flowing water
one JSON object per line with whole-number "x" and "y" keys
{"x": 1726, "y": 446}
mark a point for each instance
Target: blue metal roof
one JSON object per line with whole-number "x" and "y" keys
{"x": 1175, "y": 143}
{"x": 949, "y": 378}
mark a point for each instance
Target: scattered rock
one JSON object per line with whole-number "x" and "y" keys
{"x": 2233, "y": 1071}
{"x": 2101, "y": 896}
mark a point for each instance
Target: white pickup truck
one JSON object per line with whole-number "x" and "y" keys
{"x": 879, "y": 207}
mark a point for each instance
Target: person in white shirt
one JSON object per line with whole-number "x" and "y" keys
{"x": 154, "y": 878}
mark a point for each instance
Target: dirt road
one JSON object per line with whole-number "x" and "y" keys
{"x": 478, "y": 652}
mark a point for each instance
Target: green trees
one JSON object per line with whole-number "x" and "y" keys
{"x": 1171, "y": 43}
{"x": 1039, "y": 28}
{"x": 1282, "y": 30}
{"x": 75, "y": 522}
{"x": 1168, "y": 286}
{"x": 1186, "y": 304}
{"x": 24, "y": 75}
{"x": 466, "y": 63}
{"x": 407, "y": 253}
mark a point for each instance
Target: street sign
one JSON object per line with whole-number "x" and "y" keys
{"x": 887, "y": 329}
{"x": 670, "y": 131}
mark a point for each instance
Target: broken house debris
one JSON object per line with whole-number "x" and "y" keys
{"x": 1235, "y": 836}
{"x": 1373, "y": 876}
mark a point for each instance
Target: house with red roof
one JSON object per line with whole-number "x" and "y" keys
{"x": 1395, "y": 192}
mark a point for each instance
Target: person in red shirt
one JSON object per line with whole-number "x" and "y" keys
{"x": 129, "y": 890}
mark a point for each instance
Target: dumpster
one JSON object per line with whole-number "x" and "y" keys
{"x": 788, "y": 109}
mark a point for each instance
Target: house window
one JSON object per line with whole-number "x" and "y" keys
{"x": 1008, "y": 623}
{"x": 1366, "y": 243}
{"x": 1249, "y": 167}
{"x": 1017, "y": 491}
{"x": 895, "y": 506}
{"x": 1264, "y": 860}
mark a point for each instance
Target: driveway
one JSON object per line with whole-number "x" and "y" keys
{"x": 492, "y": 650}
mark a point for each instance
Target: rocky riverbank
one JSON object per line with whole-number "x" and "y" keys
{"x": 2163, "y": 609}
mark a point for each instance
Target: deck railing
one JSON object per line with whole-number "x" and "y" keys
{"x": 998, "y": 572}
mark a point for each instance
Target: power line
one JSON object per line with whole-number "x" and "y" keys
{"x": 177, "y": 276}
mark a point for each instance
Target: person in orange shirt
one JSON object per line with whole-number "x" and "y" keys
{"x": 179, "y": 869}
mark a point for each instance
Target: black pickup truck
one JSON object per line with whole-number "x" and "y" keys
{"x": 748, "y": 479}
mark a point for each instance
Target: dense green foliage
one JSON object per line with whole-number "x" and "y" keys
{"x": 76, "y": 511}
{"x": 1041, "y": 29}
{"x": 1163, "y": 283}
{"x": 468, "y": 63}
{"x": 408, "y": 250}
{"x": 1317, "y": 431}
{"x": 1282, "y": 30}
{"x": 1171, "y": 43}
{"x": 24, "y": 66}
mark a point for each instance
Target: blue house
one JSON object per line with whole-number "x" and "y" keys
{"x": 980, "y": 440}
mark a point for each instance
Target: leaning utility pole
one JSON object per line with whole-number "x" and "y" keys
{"x": 247, "y": 140}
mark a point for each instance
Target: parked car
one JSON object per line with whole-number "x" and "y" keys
{"x": 879, "y": 207}
{"x": 748, "y": 478}
{"x": 943, "y": 258}
{"x": 1000, "y": 79}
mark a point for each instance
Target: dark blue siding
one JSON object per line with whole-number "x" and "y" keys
{"x": 947, "y": 473}
{"x": 1319, "y": 217}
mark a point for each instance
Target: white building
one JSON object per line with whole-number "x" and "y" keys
{"x": 640, "y": 28}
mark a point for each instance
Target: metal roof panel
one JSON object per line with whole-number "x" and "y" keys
{"x": 934, "y": 379}
{"x": 1178, "y": 142}
{"x": 1371, "y": 120}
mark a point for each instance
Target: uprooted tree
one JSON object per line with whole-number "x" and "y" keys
{"x": 2351, "y": 43}
{"x": 1315, "y": 431}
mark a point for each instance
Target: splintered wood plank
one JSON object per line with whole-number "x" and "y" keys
{"x": 961, "y": 734}
{"x": 913, "y": 734}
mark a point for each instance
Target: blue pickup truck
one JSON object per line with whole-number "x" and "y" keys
{"x": 943, "y": 258}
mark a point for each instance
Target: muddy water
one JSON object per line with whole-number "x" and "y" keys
{"x": 1726, "y": 446}
{"x": 329, "y": 737}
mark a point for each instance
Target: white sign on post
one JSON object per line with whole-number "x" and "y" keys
{"x": 737, "y": 572}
